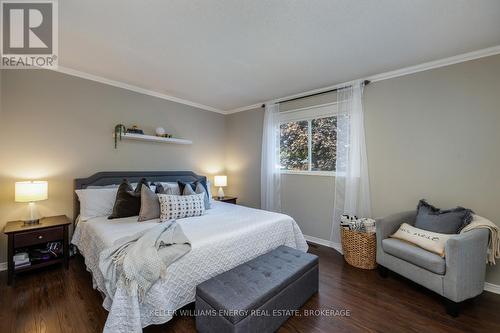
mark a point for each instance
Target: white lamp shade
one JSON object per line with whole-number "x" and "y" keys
{"x": 220, "y": 180}
{"x": 31, "y": 191}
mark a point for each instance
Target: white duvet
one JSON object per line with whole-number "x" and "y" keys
{"x": 226, "y": 236}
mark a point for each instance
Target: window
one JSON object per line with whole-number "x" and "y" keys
{"x": 308, "y": 146}
{"x": 294, "y": 148}
{"x": 323, "y": 143}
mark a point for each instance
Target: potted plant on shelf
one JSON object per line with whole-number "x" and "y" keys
{"x": 119, "y": 131}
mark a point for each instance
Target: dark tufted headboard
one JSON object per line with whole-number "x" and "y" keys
{"x": 116, "y": 177}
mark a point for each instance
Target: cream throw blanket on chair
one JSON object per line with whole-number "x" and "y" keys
{"x": 479, "y": 222}
{"x": 140, "y": 260}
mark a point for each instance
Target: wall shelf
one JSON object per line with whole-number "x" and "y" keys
{"x": 152, "y": 138}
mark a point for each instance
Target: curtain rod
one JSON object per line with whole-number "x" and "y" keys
{"x": 365, "y": 82}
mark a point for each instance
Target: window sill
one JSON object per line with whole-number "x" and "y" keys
{"x": 309, "y": 173}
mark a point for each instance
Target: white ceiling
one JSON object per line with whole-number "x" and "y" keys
{"x": 228, "y": 54}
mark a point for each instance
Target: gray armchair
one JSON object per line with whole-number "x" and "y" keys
{"x": 457, "y": 277}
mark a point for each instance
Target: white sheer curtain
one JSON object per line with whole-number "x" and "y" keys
{"x": 352, "y": 188}
{"x": 270, "y": 179}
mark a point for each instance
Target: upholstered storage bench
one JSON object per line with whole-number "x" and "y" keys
{"x": 259, "y": 295}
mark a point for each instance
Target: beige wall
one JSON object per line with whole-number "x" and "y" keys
{"x": 57, "y": 127}
{"x": 309, "y": 199}
{"x": 243, "y": 142}
{"x": 434, "y": 135}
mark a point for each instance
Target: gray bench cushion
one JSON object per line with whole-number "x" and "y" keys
{"x": 251, "y": 284}
{"x": 415, "y": 255}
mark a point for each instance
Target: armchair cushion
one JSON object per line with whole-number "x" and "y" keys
{"x": 415, "y": 255}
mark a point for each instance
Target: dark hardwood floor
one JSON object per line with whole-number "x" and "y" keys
{"x": 56, "y": 300}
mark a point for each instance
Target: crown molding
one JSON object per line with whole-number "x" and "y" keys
{"x": 487, "y": 52}
{"x": 123, "y": 85}
{"x": 244, "y": 108}
{"x": 374, "y": 78}
{"x": 490, "y": 51}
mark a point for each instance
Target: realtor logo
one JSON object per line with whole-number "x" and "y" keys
{"x": 29, "y": 34}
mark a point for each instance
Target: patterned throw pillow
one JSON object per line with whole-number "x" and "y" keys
{"x": 428, "y": 240}
{"x": 181, "y": 206}
{"x": 199, "y": 186}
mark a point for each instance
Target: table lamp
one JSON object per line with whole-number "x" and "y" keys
{"x": 31, "y": 191}
{"x": 220, "y": 181}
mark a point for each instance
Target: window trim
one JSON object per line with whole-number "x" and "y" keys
{"x": 309, "y": 114}
{"x": 308, "y": 173}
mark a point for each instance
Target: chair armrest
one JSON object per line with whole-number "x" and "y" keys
{"x": 388, "y": 225}
{"x": 466, "y": 264}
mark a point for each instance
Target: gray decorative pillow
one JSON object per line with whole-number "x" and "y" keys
{"x": 180, "y": 206}
{"x": 128, "y": 201}
{"x": 449, "y": 221}
{"x": 160, "y": 189}
{"x": 201, "y": 189}
{"x": 150, "y": 205}
{"x": 170, "y": 186}
{"x": 188, "y": 190}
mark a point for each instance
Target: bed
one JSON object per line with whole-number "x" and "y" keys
{"x": 226, "y": 236}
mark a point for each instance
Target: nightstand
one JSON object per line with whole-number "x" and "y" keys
{"x": 231, "y": 200}
{"x": 32, "y": 238}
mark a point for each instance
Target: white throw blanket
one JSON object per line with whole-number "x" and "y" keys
{"x": 479, "y": 222}
{"x": 140, "y": 260}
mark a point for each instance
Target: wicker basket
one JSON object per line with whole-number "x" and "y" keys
{"x": 360, "y": 248}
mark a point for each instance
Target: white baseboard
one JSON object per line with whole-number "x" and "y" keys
{"x": 3, "y": 266}
{"x": 492, "y": 288}
{"x": 324, "y": 242}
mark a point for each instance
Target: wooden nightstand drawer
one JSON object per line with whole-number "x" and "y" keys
{"x": 38, "y": 236}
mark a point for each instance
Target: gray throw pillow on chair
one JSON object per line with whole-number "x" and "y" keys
{"x": 449, "y": 221}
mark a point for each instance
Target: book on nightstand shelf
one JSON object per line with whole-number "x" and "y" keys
{"x": 21, "y": 260}
{"x": 35, "y": 255}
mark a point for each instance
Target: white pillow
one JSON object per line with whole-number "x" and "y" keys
{"x": 181, "y": 206}
{"x": 96, "y": 202}
{"x": 428, "y": 240}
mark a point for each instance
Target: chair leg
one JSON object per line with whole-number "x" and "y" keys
{"x": 452, "y": 308}
{"x": 382, "y": 271}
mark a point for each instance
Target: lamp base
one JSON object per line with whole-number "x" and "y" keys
{"x": 31, "y": 222}
{"x": 220, "y": 193}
